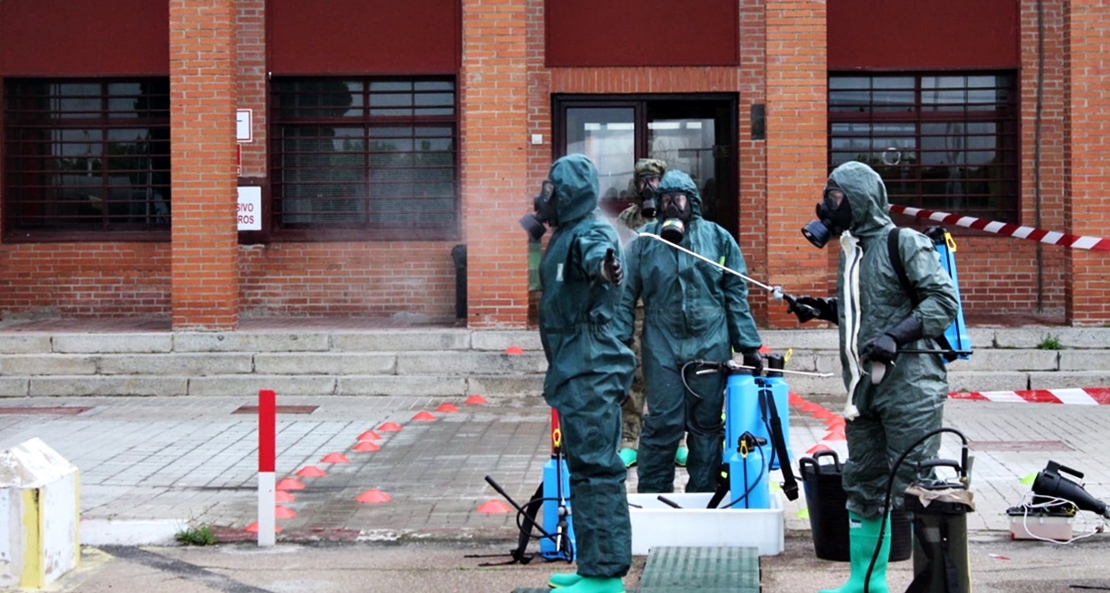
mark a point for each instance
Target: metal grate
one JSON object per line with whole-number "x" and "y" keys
{"x": 362, "y": 154}
{"x": 943, "y": 141}
{"x": 705, "y": 570}
{"x": 86, "y": 156}
{"x": 280, "y": 409}
{"x": 56, "y": 410}
{"x": 1020, "y": 446}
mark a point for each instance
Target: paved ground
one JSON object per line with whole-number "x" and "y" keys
{"x": 151, "y": 466}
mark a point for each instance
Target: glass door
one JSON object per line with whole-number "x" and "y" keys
{"x": 608, "y": 136}
{"x": 695, "y": 134}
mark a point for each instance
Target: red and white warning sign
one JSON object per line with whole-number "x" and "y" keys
{"x": 1006, "y": 229}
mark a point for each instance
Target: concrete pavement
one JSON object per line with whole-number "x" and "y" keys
{"x": 150, "y": 466}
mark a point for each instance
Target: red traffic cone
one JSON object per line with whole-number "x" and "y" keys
{"x": 822, "y": 414}
{"x": 390, "y": 427}
{"x": 253, "y": 528}
{"x": 369, "y": 436}
{"x": 281, "y": 512}
{"x": 446, "y": 408}
{"x": 289, "y": 484}
{"x": 366, "y": 446}
{"x": 514, "y": 350}
{"x": 311, "y": 471}
{"x": 494, "y": 507}
{"x": 373, "y": 497}
{"x": 475, "y": 400}
{"x": 335, "y": 458}
{"x": 424, "y": 417}
{"x": 284, "y": 496}
{"x": 817, "y": 448}
{"x": 812, "y": 407}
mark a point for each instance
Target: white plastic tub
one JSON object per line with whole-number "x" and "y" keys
{"x": 693, "y": 525}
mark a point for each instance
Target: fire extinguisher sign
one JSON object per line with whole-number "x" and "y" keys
{"x": 250, "y": 209}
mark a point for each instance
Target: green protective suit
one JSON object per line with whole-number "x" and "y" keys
{"x": 692, "y": 311}
{"x": 909, "y": 402}
{"x": 589, "y": 369}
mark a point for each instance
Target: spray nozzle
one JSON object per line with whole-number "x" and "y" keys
{"x": 1051, "y": 484}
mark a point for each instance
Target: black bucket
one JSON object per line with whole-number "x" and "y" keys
{"x": 828, "y": 517}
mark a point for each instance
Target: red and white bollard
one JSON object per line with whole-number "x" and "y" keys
{"x": 267, "y": 460}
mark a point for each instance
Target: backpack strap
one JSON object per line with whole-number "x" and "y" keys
{"x": 778, "y": 442}
{"x": 900, "y": 269}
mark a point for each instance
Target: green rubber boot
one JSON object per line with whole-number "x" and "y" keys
{"x": 563, "y": 579}
{"x": 595, "y": 585}
{"x": 628, "y": 456}
{"x": 863, "y": 534}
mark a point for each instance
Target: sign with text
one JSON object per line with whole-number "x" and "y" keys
{"x": 250, "y": 209}
{"x": 244, "y": 131}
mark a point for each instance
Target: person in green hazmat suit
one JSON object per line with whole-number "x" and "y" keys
{"x": 589, "y": 369}
{"x": 643, "y": 188}
{"x": 692, "y": 311}
{"x": 893, "y": 400}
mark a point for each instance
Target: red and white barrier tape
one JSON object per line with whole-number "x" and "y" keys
{"x": 1091, "y": 396}
{"x": 1009, "y": 230}
{"x": 835, "y": 440}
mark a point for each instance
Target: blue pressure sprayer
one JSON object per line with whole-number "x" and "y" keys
{"x": 955, "y": 342}
{"x": 959, "y": 341}
{"x": 552, "y": 498}
{"x": 757, "y": 430}
{"x": 556, "y": 500}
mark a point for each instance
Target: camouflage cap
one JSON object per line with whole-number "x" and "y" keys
{"x": 649, "y": 167}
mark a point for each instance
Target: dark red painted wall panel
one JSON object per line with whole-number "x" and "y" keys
{"x": 932, "y": 35}
{"x": 364, "y": 36}
{"x": 84, "y": 37}
{"x": 642, "y": 33}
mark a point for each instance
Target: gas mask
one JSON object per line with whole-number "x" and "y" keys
{"x": 647, "y": 196}
{"x": 676, "y": 216}
{"x": 544, "y": 206}
{"x": 832, "y": 219}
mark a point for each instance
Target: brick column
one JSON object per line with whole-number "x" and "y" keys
{"x": 1086, "y": 144}
{"x": 753, "y": 208}
{"x": 495, "y": 178}
{"x": 797, "y": 153}
{"x": 203, "y": 96}
{"x": 250, "y": 50}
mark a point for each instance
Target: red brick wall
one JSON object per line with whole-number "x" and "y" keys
{"x": 505, "y": 93}
{"x": 203, "y": 101}
{"x": 85, "y": 280}
{"x": 495, "y": 159}
{"x": 333, "y": 279}
{"x": 1005, "y": 276}
{"x": 412, "y": 280}
{"x": 1087, "y": 142}
{"x": 753, "y": 153}
{"x": 797, "y": 153}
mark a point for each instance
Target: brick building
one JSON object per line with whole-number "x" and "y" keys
{"x": 375, "y": 136}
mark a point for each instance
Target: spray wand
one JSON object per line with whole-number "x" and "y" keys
{"x": 776, "y": 291}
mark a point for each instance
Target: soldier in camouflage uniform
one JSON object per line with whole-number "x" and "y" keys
{"x": 648, "y": 172}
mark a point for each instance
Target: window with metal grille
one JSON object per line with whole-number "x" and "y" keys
{"x": 368, "y": 157}
{"x": 942, "y": 142}
{"x": 86, "y": 158}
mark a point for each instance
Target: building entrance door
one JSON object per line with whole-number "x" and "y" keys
{"x": 692, "y": 133}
